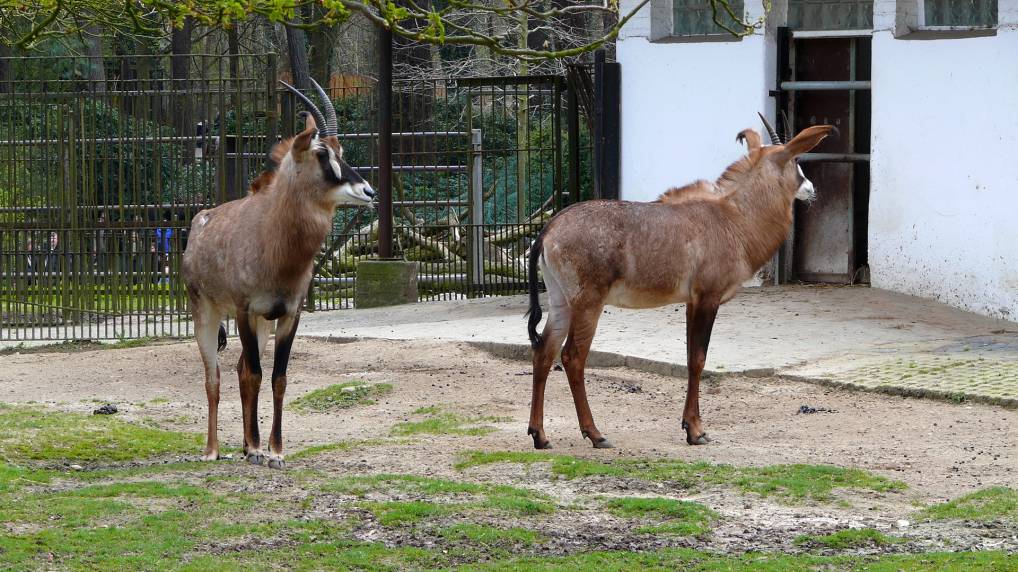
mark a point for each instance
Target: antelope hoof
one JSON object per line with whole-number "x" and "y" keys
{"x": 601, "y": 442}
{"x": 276, "y": 463}
{"x": 703, "y": 439}
{"x": 539, "y": 441}
{"x": 255, "y": 457}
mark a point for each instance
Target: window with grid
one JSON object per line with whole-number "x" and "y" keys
{"x": 696, "y": 18}
{"x": 961, "y": 13}
{"x": 830, "y": 15}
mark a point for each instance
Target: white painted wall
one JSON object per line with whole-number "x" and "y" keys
{"x": 944, "y": 172}
{"x": 944, "y": 180}
{"x": 683, "y": 103}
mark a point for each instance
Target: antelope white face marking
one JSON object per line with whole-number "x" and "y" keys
{"x": 806, "y": 192}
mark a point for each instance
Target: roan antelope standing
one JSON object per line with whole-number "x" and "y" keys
{"x": 252, "y": 258}
{"x": 696, "y": 244}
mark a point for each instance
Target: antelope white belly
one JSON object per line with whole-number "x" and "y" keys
{"x": 624, "y": 296}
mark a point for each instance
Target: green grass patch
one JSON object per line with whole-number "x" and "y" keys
{"x": 448, "y": 496}
{"x": 988, "y": 504}
{"x": 340, "y": 396}
{"x": 438, "y": 422}
{"x": 489, "y": 536}
{"x": 693, "y": 560}
{"x": 74, "y": 346}
{"x": 392, "y": 513}
{"x": 322, "y": 554}
{"x": 13, "y": 477}
{"x": 138, "y": 525}
{"x": 33, "y": 434}
{"x": 848, "y": 539}
{"x": 684, "y": 518}
{"x": 347, "y": 555}
{"x": 809, "y": 481}
{"x": 788, "y": 482}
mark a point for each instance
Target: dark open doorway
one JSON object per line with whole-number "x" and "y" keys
{"x": 826, "y": 80}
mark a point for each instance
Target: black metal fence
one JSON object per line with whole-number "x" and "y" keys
{"x": 100, "y": 175}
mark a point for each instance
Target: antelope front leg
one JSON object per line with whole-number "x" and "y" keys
{"x": 286, "y": 329}
{"x": 699, "y": 323}
{"x": 249, "y": 372}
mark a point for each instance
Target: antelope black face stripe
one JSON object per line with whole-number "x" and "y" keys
{"x": 327, "y": 165}
{"x": 347, "y": 174}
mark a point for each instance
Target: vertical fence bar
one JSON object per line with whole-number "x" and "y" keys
{"x": 384, "y": 143}
{"x": 475, "y": 242}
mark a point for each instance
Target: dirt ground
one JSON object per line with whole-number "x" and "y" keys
{"x": 940, "y": 450}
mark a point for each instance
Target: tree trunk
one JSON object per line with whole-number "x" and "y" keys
{"x": 5, "y": 68}
{"x": 323, "y": 40}
{"x": 522, "y": 127}
{"x": 296, "y": 44}
{"x": 180, "y": 76}
{"x": 96, "y": 66}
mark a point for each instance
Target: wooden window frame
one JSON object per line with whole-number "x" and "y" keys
{"x": 662, "y": 26}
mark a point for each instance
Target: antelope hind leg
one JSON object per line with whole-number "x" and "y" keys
{"x": 574, "y": 360}
{"x": 555, "y": 330}
{"x": 207, "y": 333}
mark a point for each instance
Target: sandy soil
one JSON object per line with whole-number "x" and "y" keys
{"x": 941, "y": 450}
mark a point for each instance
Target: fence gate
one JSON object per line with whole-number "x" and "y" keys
{"x": 103, "y": 163}
{"x": 478, "y": 167}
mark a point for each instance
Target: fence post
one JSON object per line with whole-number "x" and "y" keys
{"x": 384, "y": 88}
{"x": 475, "y": 242}
{"x": 573, "y": 133}
{"x": 607, "y": 144}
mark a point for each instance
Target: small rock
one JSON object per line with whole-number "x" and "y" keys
{"x": 902, "y": 524}
{"x": 77, "y": 468}
{"x": 108, "y": 409}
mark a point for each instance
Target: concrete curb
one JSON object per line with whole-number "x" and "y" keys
{"x": 521, "y": 352}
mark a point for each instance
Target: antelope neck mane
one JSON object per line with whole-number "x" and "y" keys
{"x": 730, "y": 180}
{"x": 264, "y": 181}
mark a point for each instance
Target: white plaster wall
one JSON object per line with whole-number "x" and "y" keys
{"x": 944, "y": 172}
{"x": 683, "y": 103}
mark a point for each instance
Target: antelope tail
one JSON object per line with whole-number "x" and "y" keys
{"x": 222, "y": 338}
{"x": 535, "y": 305}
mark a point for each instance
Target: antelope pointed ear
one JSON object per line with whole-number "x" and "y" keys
{"x": 303, "y": 139}
{"x": 309, "y": 120}
{"x": 750, "y": 137}
{"x": 806, "y": 139}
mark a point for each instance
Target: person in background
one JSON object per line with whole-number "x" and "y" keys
{"x": 51, "y": 262}
{"x": 164, "y": 237}
{"x": 99, "y": 245}
{"x": 30, "y": 262}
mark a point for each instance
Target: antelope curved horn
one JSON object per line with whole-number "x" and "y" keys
{"x": 770, "y": 130}
{"x": 319, "y": 120}
{"x": 331, "y": 125}
{"x": 788, "y": 126}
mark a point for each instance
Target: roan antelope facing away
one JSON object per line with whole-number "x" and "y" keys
{"x": 696, "y": 244}
{"x": 252, "y": 258}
